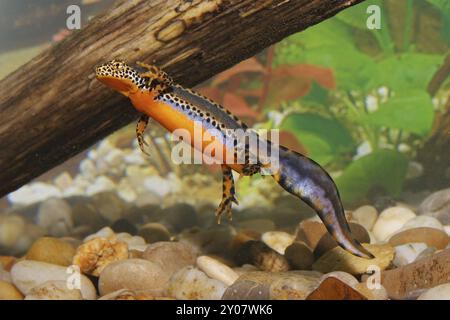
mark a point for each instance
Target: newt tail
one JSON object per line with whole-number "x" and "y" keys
{"x": 307, "y": 180}
{"x": 154, "y": 94}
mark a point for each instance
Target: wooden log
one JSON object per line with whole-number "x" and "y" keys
{"x": 52, "y": 107}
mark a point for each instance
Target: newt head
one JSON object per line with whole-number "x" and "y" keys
{"x": 119, "y": 76}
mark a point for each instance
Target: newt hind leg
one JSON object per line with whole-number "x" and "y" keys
{"x": 140, "y": 129}
{"x": 228, "y": 194}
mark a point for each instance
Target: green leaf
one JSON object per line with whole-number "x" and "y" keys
{"x": 324, "y": 138}
{"x": 411, "y": 111}
{"x": 384, "y": 169}
{"x": 406, "y": 71}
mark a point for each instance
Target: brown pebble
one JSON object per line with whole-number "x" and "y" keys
{"x": 431, "y": 236}
{"x": 299, "y": 256}
{"x": 51, "y": 250}
{"x": 410, "y": 280}
{"x": 9, "y": 292}
{"x": 334, "y": 289}
{"x": 7, "y": 262}
{"x": 262, "y": 256}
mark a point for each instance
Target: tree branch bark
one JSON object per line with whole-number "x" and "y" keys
{"x": 52, "y": 107}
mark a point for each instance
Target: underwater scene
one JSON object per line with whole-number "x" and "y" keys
{"x": 132, "y": 140}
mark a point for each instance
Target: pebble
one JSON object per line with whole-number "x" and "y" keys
{"x": 299, "y": 256}
{"x": 407, "y": 253}
{"x": 431, "y": 236}
{"x": 326, "y": 243}
{"x": 365, "y": 216}
{"x": 310, "y": 232}
{"x": 51, "y": 250}
{"x": 7, "y": 262}
{"x": 378, "y": 293}
{"x": 133, "y": 242}
{"x": 133, "y": 274}
{"x": 262, "y": 256}
{"x": 12, "y": 227}
{"x": 32, "y": 193}
{"x": 55, "y": 215}
{"x": 338, "y": 259}
{"x": 409, "y": 280}
{"x": 331, "y": 288}
{"x": 390, "y": 221}
{"x": 441, "y": 292}
{"x": 54, "y": 290}
{"x": 217, "y": 270}
{"x": 85, "y": 213}
{"x": 193, "y": 284}
{"x": 423, "y": 221}
{"x": 109, "y": 205}
{"x": 125, "y": 294}
{"x": 94, "y": 255}
{"x": 216, "y": 239}
{"x": 179, "y": 216}
{"x": 4, "y": 275}
{"x": 345, "y": 277}
{"x": 123, "y": 225}
{"x": 259, "y": 285}
{"x": 27, "y": 274}
{"x": 277, "y": 240}
{"x": 154, "y": 232}
{"x": 257, "y": 225}
{"x": 105, "y": 232}
{"x": 9, "y": 292}
{"x": 437, "y": 205}
{"x": 170, "y": 256}
{"x": 447, "y": 229}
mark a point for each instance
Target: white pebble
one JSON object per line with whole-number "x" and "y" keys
{"x": 365, "y": 216}
{"x": 390, "y": 221}
{"x": 441, "y": 292}
{"x": 27, "y": 274}
{"x": 277, "y": 240}
{"x": 217, "y": 270}
{"x": 407, "y": 253}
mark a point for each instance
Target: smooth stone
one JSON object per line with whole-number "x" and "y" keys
{"x": 133, "y": 274}
{"x": 379, "y": 293}
{"x": 262, "y": 256}
{"x": 345, "y": 277}
{"x": 242, "y": 237}
{"x": 179, "y": 216}
{"x": 27, "y": 274}
{"x": 216, "y": 239}
{"x": 53, "y": 290}
{"x": 338, "y": 259}
{"x": 190, "y": 283}
{"x": 390, "y": 221}
{"x": 257, "y": 225}
{"x": 170, "y": 256}
{"x": 407, "y": 253}
{"x": 9, "y": 292}
{"x": 84, "y": 213}
{"x": 423, "y": 221}
{"x": 55, "y": 215}
{"x": 277, "y": 240}
{"x": 123, "y": 225}
{"x": 259, "y": 285}
{"x": 7, "y": 262}
{"x": 131, "y": 241}
{"x": 426, "y": 253}
{"x": 5, "y": 275}
{"x": 327, "y": 242}
{"x": 12, "y": 228}
{"x": 431, "y": 236}
{"x": 299, "y": 256}
{"x": 109, "y": 205}
{"x": 365, "y": 216}
{"x": 437, "y": 205}
{"x": 105, "y": 232}
{"x": 125, "y": 294}
{"x": 447, "y": 229}
{"x": 154, "y": 232}
{"x": 217, "y": 270}
{"x": 441, "y": 292}
{"x": 51, "y": 250}
{"x": 310, "y": 232}
{"x": 331, "y": 288}
{"x": 95, "y": 255}
{"x": 413, "y": 278}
